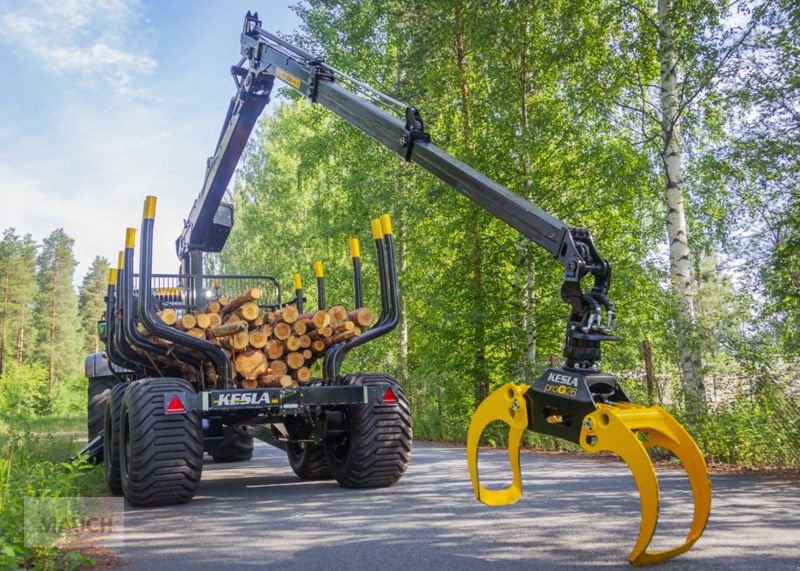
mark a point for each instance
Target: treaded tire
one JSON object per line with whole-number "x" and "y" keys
{"x": 161, "y": 455}
{"x": 377, "y": 449}
{"x": 111, "y": 424}
{"x": 235, "y": 447}
{"x": 308, "y": 461}
{"x": 99, "y": 388}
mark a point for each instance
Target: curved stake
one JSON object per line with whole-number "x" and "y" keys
{"x": 506, "y": 404}
{"x": 615, "y": 428}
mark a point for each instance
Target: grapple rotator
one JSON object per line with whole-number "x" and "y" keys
{"x": 580, "y": 404}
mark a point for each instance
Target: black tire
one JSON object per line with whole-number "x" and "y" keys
{"x": 161, "y": 455}
{"x": 111, "y": 424}
{"x": 377, "y": 448}
{"x": 99, "y": 387}
{"x": 235, "y": 447}
{"x": 308, "y": 461}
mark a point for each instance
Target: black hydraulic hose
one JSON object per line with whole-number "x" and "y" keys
{"x": 147, "y": 312}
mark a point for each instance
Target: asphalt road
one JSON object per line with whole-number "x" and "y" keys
{"x": 577, "y": 512}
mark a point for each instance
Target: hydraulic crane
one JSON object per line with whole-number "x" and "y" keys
{"x": 577, "y": 401}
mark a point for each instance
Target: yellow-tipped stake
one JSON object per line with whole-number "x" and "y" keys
{"x": 121, "y": 261}
{"x": 319, "y": 272}
{"x": 377, "y": 233}
{"x": 149, "y": 208}
{"x": 355, "y": 248}
{"x": 130, "y": 238}
{"x": 386, "y": 224}
{"x": 298, "y": 281}
{"x": 112, "y": 276}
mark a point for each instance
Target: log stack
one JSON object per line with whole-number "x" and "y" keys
{"x": 275, "y": 349}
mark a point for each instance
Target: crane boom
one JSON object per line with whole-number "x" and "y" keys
{"x": 268, "y": 56}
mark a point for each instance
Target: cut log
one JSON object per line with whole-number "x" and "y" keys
{"x": 258, "y": 321}
{"x": 197, "y": 332}
{"x": 186, "y": 322}
{"x": 212, "y": 307}
{"x": 318, "y": 346}
{"x": 240, "y": 341}
{"x": 321, "y": 333}
{"x": 307, "y": 354}
{"x": 223, "y": 301}
{"x": 249, "y": 383}
{"x": 233, "y": 318}
{"x": 257, "y": 339}
{"x": 307, "y": 322}
{"x": 289, "y": 314}
{"x": 294, "y": 360}
{"x": 281, "y": 330}
{"x": 249, "y": 311}
{"x": 343, "y": 326}
{"x": 302, "y": 375}
{"x": 305, "y": 341}
{"x": 168, "y": 316}
{"x": 321, "y": 319}
{"x": 299, "y": 327}
{"x": 349, "y": 334}
{"x": 275, "y": 381}
{"x": 363, "y": 316}
{"x": 228, "y": 329}
{"x": 338, "y": 313}
{"x": 278, "y": 367}
{"x": 214, "y": 319}
{"x": 203, "y": 320}
{"x": 250, "y": 364}
{"x": 253, "y": 294}
{"x": 274, "y": 349}
{"x": 267, "y": 329}
{"x": 293, "y": 343}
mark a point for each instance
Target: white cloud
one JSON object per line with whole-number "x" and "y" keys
{"x": 93, "y": 39}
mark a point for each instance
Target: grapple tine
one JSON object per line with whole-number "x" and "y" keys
{"x": 506, "y": 404}
{"x": 615, "y": 428}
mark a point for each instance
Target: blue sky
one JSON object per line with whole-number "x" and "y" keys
{"x": 105, "y": 101}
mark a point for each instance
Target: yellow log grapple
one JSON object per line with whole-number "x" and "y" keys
{"x": 592, "y": 411}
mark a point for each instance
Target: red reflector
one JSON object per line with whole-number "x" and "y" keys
{"x": 175, "y": 405}
{"x": 389, "y": 396}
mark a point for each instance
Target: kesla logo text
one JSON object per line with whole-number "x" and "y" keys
{"x": 562, "y": 379}
{"x": 234, "y": 399}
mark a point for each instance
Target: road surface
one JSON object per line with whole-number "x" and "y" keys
{"x": 577, "y": 512}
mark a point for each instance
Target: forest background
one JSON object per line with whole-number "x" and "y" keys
{"x": 670, "y": 129}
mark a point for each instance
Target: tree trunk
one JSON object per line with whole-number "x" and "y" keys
{"x": 680, "y": 254}
{"x": 52, "y": 371}
{"x": 476, "y": 231}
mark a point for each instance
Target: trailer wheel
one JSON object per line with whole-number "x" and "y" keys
{"x": 99, "y": 389}
{"x": 161, "y": 455}
{"x": 377, "y": 448}
{"x": 235, "y": 447}
{"x": 308, "y": 461}
{"x": 111, "y": 424}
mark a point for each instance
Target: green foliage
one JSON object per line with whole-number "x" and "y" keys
{"x": 91, "y": 303}
{"x": 32, "y": 466}
{"x": 23, "y": 389}
{"x": 555, "y": 102}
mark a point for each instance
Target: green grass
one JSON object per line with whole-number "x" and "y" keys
{"x": 35, "y": 464}
{"x": 41, "y": 424}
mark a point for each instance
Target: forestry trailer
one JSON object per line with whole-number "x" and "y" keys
{"x": 160, "y": 396}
